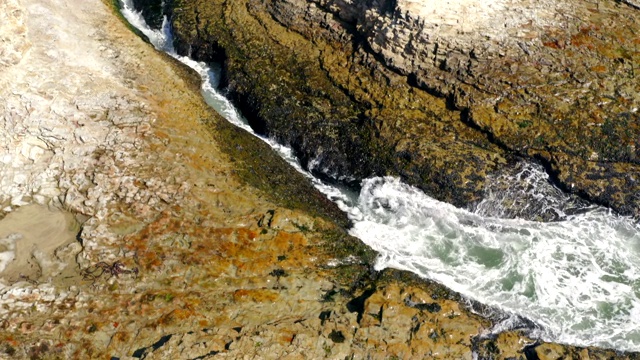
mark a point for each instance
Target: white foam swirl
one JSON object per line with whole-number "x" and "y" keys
{"x": 578, "y": 278}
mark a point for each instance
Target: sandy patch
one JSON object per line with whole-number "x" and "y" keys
{"x": 29, "y": 238}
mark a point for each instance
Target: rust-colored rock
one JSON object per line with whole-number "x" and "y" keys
{"x": 439, "y": 95}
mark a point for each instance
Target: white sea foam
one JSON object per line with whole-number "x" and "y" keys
{"x": 524, "y": 191}
{"x": 578, "y": 278}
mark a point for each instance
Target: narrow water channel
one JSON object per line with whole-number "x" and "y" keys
{"x": 578, "y": 278}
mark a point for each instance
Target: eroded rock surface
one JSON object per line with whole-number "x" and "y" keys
{"x": 196, "y": 240}
{"x": 442, "y": 95}
{"x": 554, "y": 80}
{"x": 13, "y": 40}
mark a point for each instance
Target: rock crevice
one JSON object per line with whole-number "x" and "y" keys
{"x": 196, "y": 240}
{"x": 412, "y": 88}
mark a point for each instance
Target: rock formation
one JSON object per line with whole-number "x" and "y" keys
{"x": 440, "y": 95}
{"x": 192, "y": 239}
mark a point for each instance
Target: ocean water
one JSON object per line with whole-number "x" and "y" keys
{"x": 577, "y": 278}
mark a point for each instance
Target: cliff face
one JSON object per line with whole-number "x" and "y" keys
{"x": 346, "y": 115}
{"x": 440, "y": 96}
{"x": 554, "y": 80}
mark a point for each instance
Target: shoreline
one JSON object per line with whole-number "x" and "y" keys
{"x": 230, "y": 260}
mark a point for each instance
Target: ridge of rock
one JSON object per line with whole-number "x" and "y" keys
{"x": 194, "y": 240}
{"x": 441, "y": 95}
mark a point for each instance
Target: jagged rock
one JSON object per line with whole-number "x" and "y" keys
{"x": 357, "y": 87}
{"x": 196, "y": 240}
{"x": 549, "y": 80}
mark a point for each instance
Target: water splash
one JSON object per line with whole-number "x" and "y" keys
{"x": 525, "y": 191}
{"x": 162, "y": 40}
{"x": 578, "y": 278}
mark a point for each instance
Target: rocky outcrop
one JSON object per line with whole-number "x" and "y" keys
{"x": 195, "y": 241}
{"x": 439, "y": 95}
{"x": 547, "y": 79}
{"x": 344, "y": 113}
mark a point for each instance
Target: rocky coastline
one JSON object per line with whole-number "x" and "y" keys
{"x": 186, "y": 237}
{"x": 441, "y": 97}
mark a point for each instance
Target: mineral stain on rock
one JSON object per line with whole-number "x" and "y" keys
{"x": 159, "y": 183}
{"x": 440, "y": 95}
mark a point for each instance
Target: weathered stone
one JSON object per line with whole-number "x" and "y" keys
{"x": 345, "y": 115}
{"x": 238, "y": 267}
{"x": 548, "y": 81}
{"x": 13, "y": 41}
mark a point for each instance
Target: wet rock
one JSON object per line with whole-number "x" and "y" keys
{"x": 526, "y": 191}
{"x": 152, "y": 11}
{"x": 345, "y": 115}
{"x": 439, "y": 95}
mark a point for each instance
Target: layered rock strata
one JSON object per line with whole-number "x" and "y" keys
{"x": 196, "y": 241}
{"x": 439, "y": 95}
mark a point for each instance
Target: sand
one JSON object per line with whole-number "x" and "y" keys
{"x": 29, "y": 238}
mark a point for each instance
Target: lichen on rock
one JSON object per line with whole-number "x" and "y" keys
{"x": 209, "y": 245}
{"x": 345, "y": 115}
{"x": 440, "y": 96}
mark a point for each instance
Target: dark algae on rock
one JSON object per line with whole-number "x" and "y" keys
{"x": 362, "y": 89}
{"x": 345, "y": 115}
{"x": 240, "y": 257}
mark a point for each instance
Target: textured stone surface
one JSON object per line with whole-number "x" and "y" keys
{"x": 345, "y": 114}
{"x": 13, "y": 41}
{"x": 550, "y": 80}
{"x": 69, "y": 136}
{"x": 409, "y": 87}
{"x": 222, "y": 268}
{"x": 554, "y": 80}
